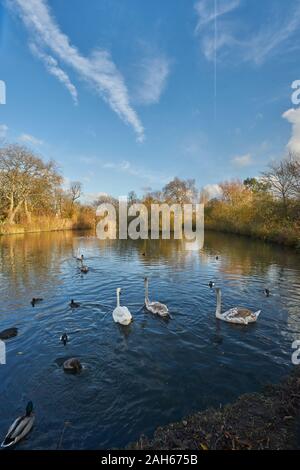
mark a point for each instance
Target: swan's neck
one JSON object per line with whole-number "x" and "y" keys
{"x": 146, "y": 292}
{"x": 219, "y": 303}
{"x": 118, "y": 298}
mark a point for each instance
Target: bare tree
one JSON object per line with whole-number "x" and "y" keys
{"x": 295, "y": 169}
{"x": 180, "y": 191}
{"x": 25, "y": 180}
{"x": 234, "y": 192}
{"x": 105, "y": 199}
{"x": 132, "y": 197}
{"x": 284, "y": 179}
{"x": 204, "y": 196}
{"x": 75, "y": 190}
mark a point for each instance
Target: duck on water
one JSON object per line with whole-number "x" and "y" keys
{"x": 8, "y": 333}
{"x": 20, "y": 427}
{"x": 84, "y": 268}
{"x": 72, "y": 365}
{"x": 35, "y": 301}
{"x": 64, "y": 338}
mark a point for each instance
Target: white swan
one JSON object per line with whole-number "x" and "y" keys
{"x": 154, "y": 307}
{"x": 239, "y": 315}
{"x": 78, "y": 256}
{"x": 121, "y": 314}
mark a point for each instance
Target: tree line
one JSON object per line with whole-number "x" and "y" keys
{"x": 30, "y": 187}
{"x": 267, "y": 207}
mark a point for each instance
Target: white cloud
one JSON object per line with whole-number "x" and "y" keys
{"x": 193, "y": 145}
{"x": 207, "y": 13}
{"x": 146, "y": 189}
{"x": 3, "y": 131}
{"x": 30, "y": 139}
{"x": 89, "y": 198}
{"x": 51, "y": 65}
{"x": 270, "y": 39}
{"x": 293, "y": 117}
{"x": 242, "y": 160}
{"x": 88, "y": 160}
{"x": 98, "y": 69}
{"x": 122, "y": 166}
{"x": 272, "y": 36}
{"x": 212, "y": 190}
{"x": 191, "y": 148}
{"x": 126, "y": 167}
{"x": 153, "y": 77}
{"x": 210, "y": 44}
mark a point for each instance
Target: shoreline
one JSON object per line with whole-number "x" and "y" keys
{"x": 25, "y": 232}
{"x": 295, "y": 246}
{"x": 280, "y": 239}
{"x": 267, "y": 420}
{"x": 22, "y": 230}
{"x": 66, "y": 225}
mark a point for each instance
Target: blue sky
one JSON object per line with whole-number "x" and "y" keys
{"x": 126, "y": 94}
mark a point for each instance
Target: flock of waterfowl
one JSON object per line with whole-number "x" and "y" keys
{"x": 121, "y": 314}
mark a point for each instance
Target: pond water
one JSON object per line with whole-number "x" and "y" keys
{"x": 153, "y": 372}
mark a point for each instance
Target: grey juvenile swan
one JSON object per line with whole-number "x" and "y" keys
{"x": 238, "y": 315}
{"x": 154, "y": 307}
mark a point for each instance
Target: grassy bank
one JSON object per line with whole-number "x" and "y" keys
{"x": 286, "y": 236}
{"x": 46, "y": 224}
{"x": 266, "y": 420}
{"x": 243, "y": 211}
